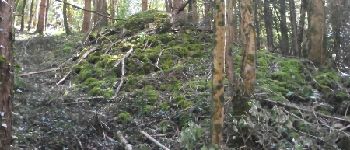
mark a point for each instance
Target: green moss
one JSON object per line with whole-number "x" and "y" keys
{"x": 2, "y": 59}
{"x": 182, "y": 102}
{"x": 328, "y": 78}
{"x": 139, "y": 21}
{"x": 124, "y": 117}
{"x": 151, "y": 94}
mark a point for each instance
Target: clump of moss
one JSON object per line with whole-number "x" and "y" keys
{"x": 151, "y": 94}
{"x": 124, "y": 117}
{"x": 139, "y": 21}
{"x": 2, "y": 59}
{"x": 330, "y": 79}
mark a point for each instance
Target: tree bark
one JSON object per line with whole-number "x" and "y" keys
{"x": 336, "y": 23}
{"x": 208, "y": 13}
{"x": 30, "y": 15}
{"x": 168, "y": 5}
{"x": 22, "y": 18}
{"x": 46, "y": 12}
{"x": 112, "y": 11}
{"x": 268, "y": 25}
{"x": 101, "y": 7}
{"x": 65, "y": 18}
{"x": 144, "y": 5}
{"x": 301, "y": 28}
{"x": 87, "y": 17}
{"x": 284, "y": 42}
{"x": 41, "y": 17}
{"x": 257, "y": 23}
{"x": 316, "y": 32}
{"x": 293, "y": 20}
{"x": 249, "y": 48}
{"x": 218, "y": 73}
{"x": 6, "y": 75}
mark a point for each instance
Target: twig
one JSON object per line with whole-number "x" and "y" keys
{"x": 98, "y": 13}
{"x": 304, "y": 110}
{"x": 37, "y": 72}
{"x": 81, "y": 58}
{"x": 153, "y": 140}
{"x": 125, "y": 143}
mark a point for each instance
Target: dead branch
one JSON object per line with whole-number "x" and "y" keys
{"x": 71, "y": 69}
{"x": 154, "y": 140}
{"x": 125, "y": 143}
{"x": 304, "y": 110}
{"x": 38, "y": 72}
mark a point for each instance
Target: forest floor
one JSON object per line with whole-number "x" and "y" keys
{"x": 148, "y": 88}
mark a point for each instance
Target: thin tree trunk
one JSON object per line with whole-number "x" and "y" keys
{"x": 249, "y": 48}
{"x": 208, "y": 15}
{"x": 168, "y": 5}
{"x": 301, "y": 27}
{"x": 112, "y": 11}
{"x": 257, "y": 23}
{"x": 218, "y": 74}
{"x": 144, "y": 5}
{"x": 268, "y": 25}
{"x": 65, "y": 18}
{"x": 230, "y": 40}
{"x": 22, "y": 18}
{"x": 336, "y": 22}
{"x": 87, "y": 17}
{"x": 284, "y": 42}
{"x": 6, "y": 75}
{"x": 316, "y": 32}
{"x": 30, "y": 15}
{"x": 46, "y": 12}
{"x": 293, "y": 20}
{"x": 41, "y": 17}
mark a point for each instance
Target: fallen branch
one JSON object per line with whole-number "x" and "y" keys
{"x": 37, "y": 72}
{"x": 125, "y": 143}
{"x": 304, "y": 110}
{"x": 153, "y": 140}
{"x": 81, "y": 58}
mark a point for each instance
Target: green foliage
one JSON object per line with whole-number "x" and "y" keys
{"x": 140, "y": 21}
{"x": 2, "y": 59}
{"x": 191, "y": 136}
{"x": 124, "y": 117}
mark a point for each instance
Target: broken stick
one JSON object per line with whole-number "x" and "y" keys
{"x": 153, "y": 140}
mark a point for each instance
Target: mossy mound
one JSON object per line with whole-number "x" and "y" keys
{"x": 158, "y": 20}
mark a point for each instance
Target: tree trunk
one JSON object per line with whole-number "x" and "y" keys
{"x": 218, "y": 73}
{"x": 284, "y": 42}
{"x": 301, "y": 27}
{"x": 101, "y": 7}
{"x": 257, "y": 23}
{"x": 6, "y": 75}
{"x": 87, "y": 17}
{"x": 30, "y": 15}
{"x": 41, "y": 17}
{"x": 112, "y": 11}
{"x": 46, "y": 12}
{"x": 208, "y": 13}
{"x": 230, "y": 40}
{"x": 268, "y": 25}
{"x": 293, "y": 20}
{"x": 192, "y": 11}
{"x": 168, "y": 5}
{"x": 144, "y": 5}
{"x": 249, "y": 49}
{"x": 177, "y": 13}
{"x": 65, "y": 18}
{"x": 316, "y": 32}
{"x": 22, "y": 18}
{"x": 336, "y": 23}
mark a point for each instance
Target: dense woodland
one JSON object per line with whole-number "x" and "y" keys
{"x": 174, "y": 74}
